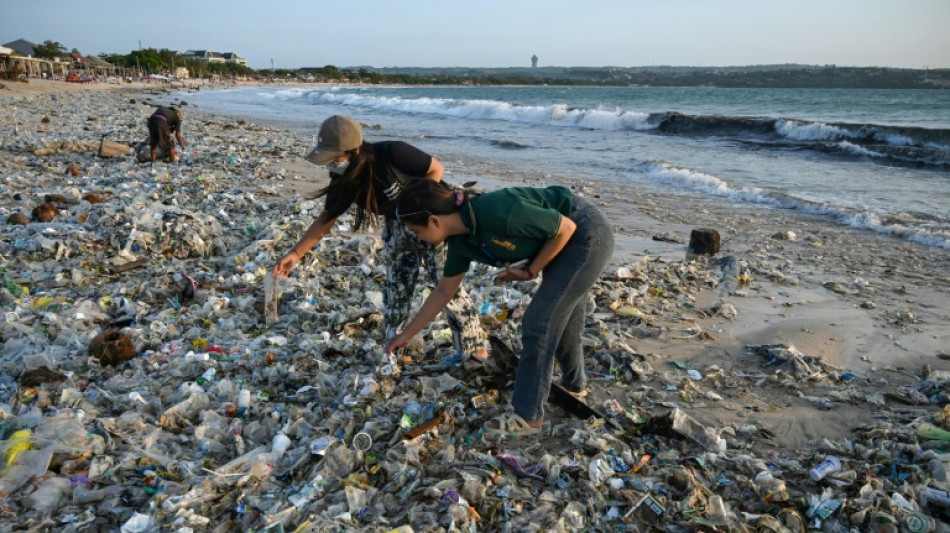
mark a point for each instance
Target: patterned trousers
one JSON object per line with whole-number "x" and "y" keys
{"x": 404, "y": 253}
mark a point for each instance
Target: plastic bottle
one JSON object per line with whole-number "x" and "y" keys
{"x": 279, "y": 446}
{"x": 935, "y": 496}
{"x": 932, "y": 432}
{"x": 206, "y": 377}
{"x": 244, "y": 399}
{"x": 716, "y": 510}
{"x": 83, "y": 496}
{"x": 243, "y": 402}
{"x": 901, "y": 502}
{"x": 828, "y": 465}
{"x": 23, "y": 438}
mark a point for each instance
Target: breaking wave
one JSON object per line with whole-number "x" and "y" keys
{"x": 898, "y": 225}
{"x": 549, "y": 115}
{"x": 912, "y": 145}
{"x": 899, "y": 143}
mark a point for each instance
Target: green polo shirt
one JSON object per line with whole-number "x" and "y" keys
{"x": 507, "y": 225}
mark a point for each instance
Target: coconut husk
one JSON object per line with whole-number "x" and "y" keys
{"x": 95, "y": 198}
{"x": 58, "y": 199}
{"x": 18, "y": 219}
{"x": 45, "y": 212}
{"x": 112, "y": 347}
{"x": 39, "y": 376}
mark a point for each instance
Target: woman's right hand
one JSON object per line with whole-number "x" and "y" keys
{"x": 286, "y": 264}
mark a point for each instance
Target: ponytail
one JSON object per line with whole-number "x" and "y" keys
{"x": 424, "y": 197}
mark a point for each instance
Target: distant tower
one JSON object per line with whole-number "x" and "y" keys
{"x": 534, "y": 61}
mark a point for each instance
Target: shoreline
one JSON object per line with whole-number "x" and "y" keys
{"x": 863, "y": 266}
{"x": 871, "y": 306}
{"x": 896, "y": 274}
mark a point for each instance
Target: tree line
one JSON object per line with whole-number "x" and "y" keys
{"x": 164, "y": 60}
{"x": 154, "y": 60}
{"x": 150, "y": 60}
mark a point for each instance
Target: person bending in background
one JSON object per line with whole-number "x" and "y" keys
{"x": 560, "y": 234}
{"x": 370, "y": 176}
{"x": 165, "y": 122}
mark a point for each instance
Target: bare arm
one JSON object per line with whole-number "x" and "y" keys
{"x": 548, "y": 252}
{"x": 320, "y": 227}
{"x": 433, "y": 305}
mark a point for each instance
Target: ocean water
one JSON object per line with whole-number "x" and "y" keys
{"x": 873, "y": 159}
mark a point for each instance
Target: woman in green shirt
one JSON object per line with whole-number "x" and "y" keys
{"x": 554, "y": 232}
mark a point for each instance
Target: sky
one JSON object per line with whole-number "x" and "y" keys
{"x": 502, "y": 33}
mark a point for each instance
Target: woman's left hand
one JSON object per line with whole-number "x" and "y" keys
{"x": 398, "y": 342}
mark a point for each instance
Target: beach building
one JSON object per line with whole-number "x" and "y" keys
{"x": 204, "y": 55}
{"x": 20, "y": 61}
{"x": 209, "y": 56}
{"x": 22, "y": 47}
{"x": 78, "y": 58}
{"x": 100, "y": 66}
{"x": 232, "y": 57}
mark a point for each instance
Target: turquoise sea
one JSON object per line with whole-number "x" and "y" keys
{"x": 873, "y": 159}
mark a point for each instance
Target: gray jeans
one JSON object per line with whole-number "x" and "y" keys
{"x": 404, "y": 254}
{"x": 553, "y": 323}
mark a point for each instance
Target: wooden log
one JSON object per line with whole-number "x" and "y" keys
{"x": 425, "y": 427}
{"x": 109, "y": 148}
{"x": 129, "y": 266}
{"x": 704, "y": 241}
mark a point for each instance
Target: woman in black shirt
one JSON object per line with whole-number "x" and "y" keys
{"x": 371, "y": 177}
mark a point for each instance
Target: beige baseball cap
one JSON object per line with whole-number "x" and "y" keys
{"x": 338, "y": 134}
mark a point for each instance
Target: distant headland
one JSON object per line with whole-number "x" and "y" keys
{"x": 756, "y": 76}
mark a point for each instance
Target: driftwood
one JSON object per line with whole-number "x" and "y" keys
{"x": 128, "y": 266}
{"x": 109, "y": 148}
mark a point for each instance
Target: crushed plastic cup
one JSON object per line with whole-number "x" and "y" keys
{"x": 917, "y": 522}
{"x": 138, "y": 523}
{"x": 829, "y": 465}
{"x": 362, "y": 441}
{"x": 319, "y": 446}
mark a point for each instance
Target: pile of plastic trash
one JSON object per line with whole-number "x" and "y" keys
{"x": 218, "y": 419}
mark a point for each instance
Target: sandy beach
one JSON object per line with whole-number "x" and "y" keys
{"x": 873, "y": 308}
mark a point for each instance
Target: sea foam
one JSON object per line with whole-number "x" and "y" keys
{"x": 475, "y": 109}
{"x": 666, "y": 174}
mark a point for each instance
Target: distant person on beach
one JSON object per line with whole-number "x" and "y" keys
{"x": 162, "y": 125}
{"x": 371, "y": 176}
{"x": 550, "y": 230}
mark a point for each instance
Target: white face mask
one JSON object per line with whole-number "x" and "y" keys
{"x": 338, "y": 167}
